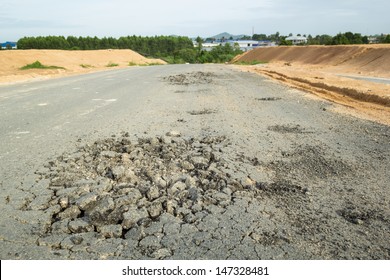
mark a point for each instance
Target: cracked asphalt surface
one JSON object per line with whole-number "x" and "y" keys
{"x": 187, "y": 162}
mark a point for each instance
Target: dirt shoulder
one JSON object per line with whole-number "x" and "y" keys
{"x": 357, "y": 78}
{"x": 74, "y": 62}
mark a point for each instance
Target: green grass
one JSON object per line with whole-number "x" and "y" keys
{"x": 153, "y": 64}
{"x": 144, "y": 64}
{"x": 111, "y": 64}
{"x": 253, "y": 62}
{"x": 86, "y": 66}
{"x": 38, "y": 65}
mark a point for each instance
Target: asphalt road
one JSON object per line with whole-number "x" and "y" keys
{"x": 370, "y": 79}
{"x": 314, "y": 184}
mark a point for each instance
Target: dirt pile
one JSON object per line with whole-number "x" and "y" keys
{"x": 186, "y": 79}
{"x": 368, "y": 59}
{"x": 130, "y": 184}
{"x": 74, "y": 62}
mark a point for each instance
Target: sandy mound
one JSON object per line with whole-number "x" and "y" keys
{"x": 73, "y": 61}
{"x": 334, "y": 73}
{"x": 372, "y": 60}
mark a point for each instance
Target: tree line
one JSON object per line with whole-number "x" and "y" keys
{"x": 172, "y": 49}
{"x": 347, "y": 38}
{"x": 149, "y": 46}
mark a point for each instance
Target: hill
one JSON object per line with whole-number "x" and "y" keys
{"x": 371, "y": 59}
{"x": 227, "y": 36}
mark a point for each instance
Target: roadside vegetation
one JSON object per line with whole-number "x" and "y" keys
{"x": 112, "y": 64}
{"x": 39, "y": 65}
{"x": 252, "y": 62}
{"x": 132, "y": 63}
{"x": 86, "y": 66}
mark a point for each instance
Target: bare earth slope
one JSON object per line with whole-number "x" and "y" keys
{"x": 74, "y": 62}
{"x": 355, "y": 76}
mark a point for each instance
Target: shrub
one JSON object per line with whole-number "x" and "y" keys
{"x": 39, "y": 65}
{"x": 86, "y": 66}
{"x": 252, "y": 62}
{"x": 111, "y": 64}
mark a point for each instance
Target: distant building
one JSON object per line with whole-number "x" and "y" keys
{"x": 244, "y": 45}
{"x": 247, "y": 45}
{"x": 373, "y": 40}
{"x": 267, "y": 44}
{"x": 8, "y": 45}
{"x": 208, "y": 46}
{"x": 297, "y": 40}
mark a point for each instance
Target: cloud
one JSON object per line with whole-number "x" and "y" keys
{"x": 8, "y": 22}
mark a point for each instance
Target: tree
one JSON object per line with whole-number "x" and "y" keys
{"x": 188, "y": 55}
{"x": 284, "y": 42}
{"x": 200, "y": 42}
{"x": 259, "y": 37}
{"x": 340, "y": 39}
{"x": 384, "y": 39}
{"x": 274, "y": 37}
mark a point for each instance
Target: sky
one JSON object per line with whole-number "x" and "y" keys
{"x": 205, "y": 18}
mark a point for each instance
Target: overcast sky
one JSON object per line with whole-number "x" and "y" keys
{"x": 19, "y": 18}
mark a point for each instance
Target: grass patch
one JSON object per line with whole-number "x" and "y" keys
{"x": 154, "y": 64}
{"x": 252, "y": 62}
{"x": 144, "y": 64}
{"x": 86, "y": 66}
{"x": 111, "y": 64}
{"x": 38, "y": 65}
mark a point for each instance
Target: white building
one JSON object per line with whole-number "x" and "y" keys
{"x": 297, "y": 40}
{"x": 245, "y": 45}
{"x": 209, "y": 46}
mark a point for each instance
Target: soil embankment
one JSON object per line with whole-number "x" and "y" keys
{"x": 342, "y": 74}
{"x": 74, "y": 62}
